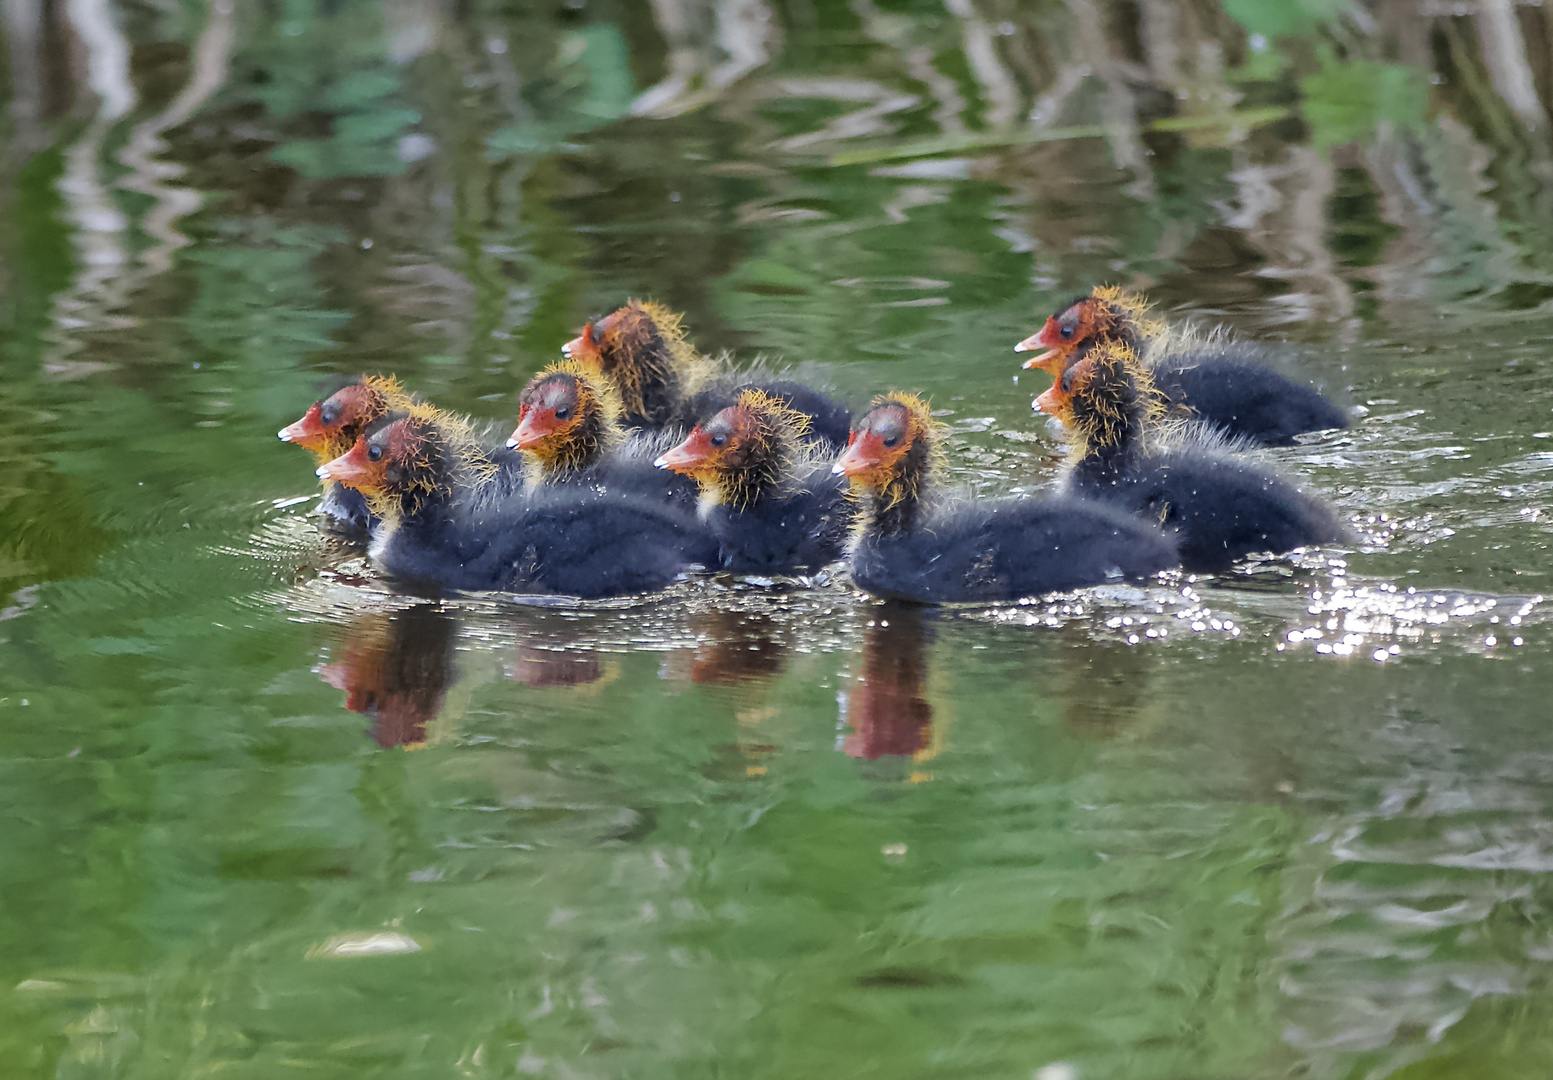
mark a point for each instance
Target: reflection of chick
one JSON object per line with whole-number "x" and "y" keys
{"x": 397, "y": 670}
{"x": 736, "y": 647}
{"x": 1104, "y": 686}
{"x": 887, "y": 708}
{"x": 549, "y": 667}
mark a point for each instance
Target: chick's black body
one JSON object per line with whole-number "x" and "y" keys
{"x": 628, "y": 471}
{"x": 913, "y": 545}
{"x": 1005, "y": 550}
{"x": 345, "y": 511}
{"x": 1219, "y": 508}
{"x": 785, "y": 533}
{"x": 1224, "y": 385}
{"x": 468, "y": 531}
{"x": 546, "y": 542}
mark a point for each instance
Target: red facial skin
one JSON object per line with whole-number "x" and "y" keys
{"x": 865, "y": 452}
{"x": 1064, "y": 333}
{"x": 691, "y": 455}
{"x": 536, "y": 423}
{"x": 586, "y": 346}
{"x": 309, "y": 432}
{"x": 328, "y": 419}
{"x": 1051, "y": 401}
{"x": 356, "y": 469}
{"x": 1048, "y": 338}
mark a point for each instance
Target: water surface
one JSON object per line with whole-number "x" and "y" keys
{"x": 264, "y": 816}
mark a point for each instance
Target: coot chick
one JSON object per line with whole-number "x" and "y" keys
{"x": 665, "y": 383}
{"x": 767, "y": 494}
{"x": 1219, "y": 505}
{"x": 1218, "y": 380}
{"x": 570, "y": 435}
{"x": 452, "y": 520}
{"x": 913, "y": 544}
{"x": 332, "y": 425}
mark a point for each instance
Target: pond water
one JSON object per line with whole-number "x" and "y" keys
{"x": 264, "y": 816}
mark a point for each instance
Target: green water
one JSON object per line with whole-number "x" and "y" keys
{"x": 263, "y": 817}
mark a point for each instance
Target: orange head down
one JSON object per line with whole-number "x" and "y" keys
{"x": 331, "y": 426}
{"x": 1106, "y": 314}
{"x": 642, "y": 347}
{"x": 747, "y": 449}
{"x": 567, "y": 418}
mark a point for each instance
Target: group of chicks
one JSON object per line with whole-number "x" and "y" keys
{"x": 636, "y": 460}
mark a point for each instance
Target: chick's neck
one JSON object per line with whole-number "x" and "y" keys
{"x": 894, "y": 508}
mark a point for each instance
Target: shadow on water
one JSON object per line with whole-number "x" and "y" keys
{"x": 1290, "y": 821}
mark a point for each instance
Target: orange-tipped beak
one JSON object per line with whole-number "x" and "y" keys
{"x": 535, "y": 425}
{"x": 352, "y": 468}
{"x": 1050, "y": 402}
{"x": 688, "y": 454}
{"x": 863, "y": 452}
{"x": 308, "y": 432}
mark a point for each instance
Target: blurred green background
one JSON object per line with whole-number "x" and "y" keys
{"x": 264, "y": 817}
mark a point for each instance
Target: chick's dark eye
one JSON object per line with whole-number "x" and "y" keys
{"x": 719, "y": 439}
{"x": 331, "y": 414}
{"x": 374, "y": 453}
{"x": 1066, "y": 332}
{"x": 563, "y": 413}
{"x": 892, "y": 441}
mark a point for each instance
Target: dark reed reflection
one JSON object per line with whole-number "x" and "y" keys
{"x": 396, "y": 670}
{"x": 887, "y": 708}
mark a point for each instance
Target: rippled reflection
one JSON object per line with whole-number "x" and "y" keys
{"x": 396, "y": 670}
{"x": 887, "y": 710}
{"x": 1288, "y": 820}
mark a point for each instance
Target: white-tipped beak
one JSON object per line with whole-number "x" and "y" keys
{"x": 512, "y": 444}
{"x": 283, "y": 435}
{"x": 1021, "y": 347}
{"x": 661, "y": 463}
{"x": 836, "y": 469}
{"x": 566, "y": 350}
{"x": 320, "y": 473}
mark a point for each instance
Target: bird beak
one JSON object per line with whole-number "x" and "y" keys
{"x": 532, "y": 428}
{"x": 688, "y": 454}
{"x": 1049, "y": 402}
{"x": 1044, "y": 338}
{"x": 580, "y": 348}
{"x": 861, "y": 454}
{"x": 306, "y": 431}
{"x": 351, "y": 468}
